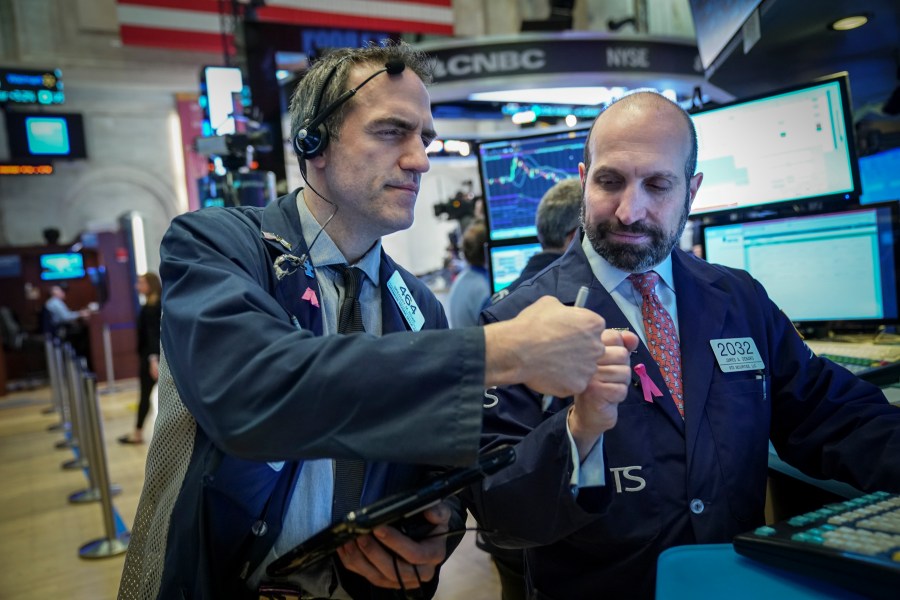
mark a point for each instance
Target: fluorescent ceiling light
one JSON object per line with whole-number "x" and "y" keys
{"x": 585, "y": 96}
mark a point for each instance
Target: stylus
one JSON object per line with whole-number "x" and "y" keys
{"x": 580, "y": 301}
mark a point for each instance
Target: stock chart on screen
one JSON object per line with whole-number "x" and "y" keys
{"x": 516, "y": 172}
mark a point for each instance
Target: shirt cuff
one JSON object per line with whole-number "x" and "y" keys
{"x": 591, "y": 472}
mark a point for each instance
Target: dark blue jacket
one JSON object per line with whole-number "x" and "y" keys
{"x": 671, "y": 481}
{"x": 249, "y": 389}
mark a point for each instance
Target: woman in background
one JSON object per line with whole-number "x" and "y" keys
{"x": 149, "y": 286}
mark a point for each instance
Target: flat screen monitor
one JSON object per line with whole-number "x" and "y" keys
{"x": 506, "y": 262}
{"x": 69, "y": 265}
{"x": 45, "y": 135}
{"x": 716, "y": 23}
{"x": 516, "y": 172}
{"x": 837, "y": 268}
{"x": 880, "y": 174}
{"x": 787, "y": 147}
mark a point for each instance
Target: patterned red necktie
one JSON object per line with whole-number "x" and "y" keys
{"x": 662, "y": 338}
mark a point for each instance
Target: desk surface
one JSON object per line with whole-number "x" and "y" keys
{"x": 716, "y": 571}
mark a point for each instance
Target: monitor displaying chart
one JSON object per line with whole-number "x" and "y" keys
{"x": 516, "y": 172}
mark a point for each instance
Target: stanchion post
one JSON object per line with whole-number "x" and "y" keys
{"x": 54, "y": 394}
{"x": 108, "y": 359}
{"x": 76, "y": 410}
{"x": 114, "y": 543}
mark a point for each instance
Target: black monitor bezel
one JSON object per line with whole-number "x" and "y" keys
{"x": 793, "y": 205}
{"x": 818, "y": 328}
{"x": 18, "y": 135}
{"x": 506, "y": 243}
{"x": 514, "y": 137}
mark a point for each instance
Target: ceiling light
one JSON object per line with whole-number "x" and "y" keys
{"x": 848, "y": 23}
{"x": 583, "y": 96}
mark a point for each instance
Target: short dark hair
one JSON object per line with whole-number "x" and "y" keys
{"x": 473, "y": 240}
{"x": 690, "y": 166}
{"x": 332, "y": 71}
{"x": 559, "y": 213}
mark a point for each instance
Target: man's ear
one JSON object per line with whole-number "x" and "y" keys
{"x": 694, "y": 184}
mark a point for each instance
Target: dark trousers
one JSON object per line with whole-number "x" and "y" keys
{"x": 147, "y": 383}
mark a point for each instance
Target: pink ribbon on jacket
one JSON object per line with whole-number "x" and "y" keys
{"x": 310, "y": 296}
{"x": 647, "y": 386}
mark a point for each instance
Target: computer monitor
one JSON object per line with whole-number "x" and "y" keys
{"x": 517, "y": 171}
{"x": 67, "y": 265}
{"x": 34, "y": 135}
{"x": 880, "y": 175}
{"x": 833, "y": 269}
{"x": 796, "y": 145}
{"x": 506, "y": 262}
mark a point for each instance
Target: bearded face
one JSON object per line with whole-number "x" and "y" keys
{"x": 605, "y": 236}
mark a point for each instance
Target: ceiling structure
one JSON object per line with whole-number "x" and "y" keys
{"x": 796, "y": 45}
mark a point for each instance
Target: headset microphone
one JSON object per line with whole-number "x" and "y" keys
{"x": 312, "y": 138}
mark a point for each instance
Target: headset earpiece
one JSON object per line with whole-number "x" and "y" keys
{"x": 310, "y": 142}
{"x": 312, "y": 138}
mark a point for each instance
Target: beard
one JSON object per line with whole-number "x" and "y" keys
{"x": 630, "y": 257}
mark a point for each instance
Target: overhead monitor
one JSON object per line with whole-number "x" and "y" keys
{"x": 717, "y": 23}
{"x": 880, "y": 175}
{"x": 34, "y": 135}
{"x": 796, "y": 145}
{"x": 836, "y": 268}
{"x": 507, "y": 262}
{"x": 68, "y": 265}
{"x": 517, "y": 171}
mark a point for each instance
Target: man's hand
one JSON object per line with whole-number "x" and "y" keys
{"x": 551, "y": 348}
{"x": 373, "y": 556}
{"x": 596, "y": 410}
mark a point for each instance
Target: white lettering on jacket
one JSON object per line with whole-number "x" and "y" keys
{"x": 626, "y": 473}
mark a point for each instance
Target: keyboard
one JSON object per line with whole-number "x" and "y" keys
{"x": 878, "y": 363}
{"x": 853, "y": 544}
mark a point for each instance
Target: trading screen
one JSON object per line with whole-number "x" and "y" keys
{"x": 515, "y": 174}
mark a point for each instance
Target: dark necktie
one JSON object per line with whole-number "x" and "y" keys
{"x": 349, "y": 473}
{"x": 662, "y": 337}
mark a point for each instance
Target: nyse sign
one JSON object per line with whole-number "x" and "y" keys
{"x": 632, "y": 58}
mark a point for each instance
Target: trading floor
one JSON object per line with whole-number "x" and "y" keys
{"x": 42, "y": 532}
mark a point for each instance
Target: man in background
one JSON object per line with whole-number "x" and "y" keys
{"x": 471, "y": 289}
{"x": 557, "y": 219}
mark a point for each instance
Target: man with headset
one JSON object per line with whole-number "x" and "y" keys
{"x": 265, "y": 390}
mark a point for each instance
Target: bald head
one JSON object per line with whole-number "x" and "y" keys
{"x": 646, "y": 107}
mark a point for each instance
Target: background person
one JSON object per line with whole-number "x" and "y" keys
{"x": 557, "y": 219}
{"x": 67, "y": 324}
{"x": 471, "y": 289}
{"x": 148, "y": 323}
{"x": 683, "y": 459}
{"x": 262, "y": 400}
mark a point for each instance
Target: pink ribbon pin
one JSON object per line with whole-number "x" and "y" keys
{"x": 310, "y": 296}
{"x": 647, "y": 386}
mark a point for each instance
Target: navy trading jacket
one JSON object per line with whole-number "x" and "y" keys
{"x": 249, "y": 388}
{"x": 671, "y": 481}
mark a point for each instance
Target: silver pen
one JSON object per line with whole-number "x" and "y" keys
{"x": 580, "y": 301}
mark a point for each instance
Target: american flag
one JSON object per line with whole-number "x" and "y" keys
{"x": 198, "y": 24}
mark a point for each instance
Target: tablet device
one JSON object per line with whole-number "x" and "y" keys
{"x": 389, "y": 510}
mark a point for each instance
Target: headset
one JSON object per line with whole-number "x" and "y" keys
{"x": 312, "y": 138}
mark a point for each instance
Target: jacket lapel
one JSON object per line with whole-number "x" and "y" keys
{"x": 702, "y": 310}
